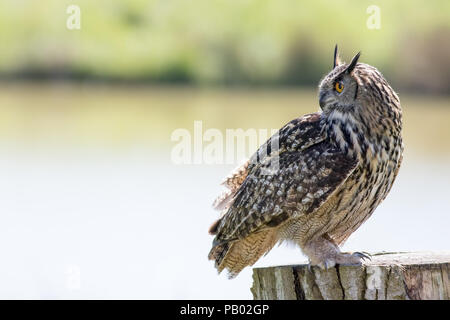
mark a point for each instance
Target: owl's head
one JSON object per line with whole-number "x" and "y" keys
{"x": 357, "y": 87}
{"x": 339, "y": 89}
{"x": 358, "y": 93}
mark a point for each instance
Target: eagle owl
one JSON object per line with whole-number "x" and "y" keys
{"x": 325, "y": 176}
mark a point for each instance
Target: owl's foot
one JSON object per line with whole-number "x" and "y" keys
{"x": 355, "y": 258}
{"x": 342, "y": 258}
{"x": 325, "y": 254}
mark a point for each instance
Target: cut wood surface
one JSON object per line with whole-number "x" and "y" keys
{"x": 406, "y": 275}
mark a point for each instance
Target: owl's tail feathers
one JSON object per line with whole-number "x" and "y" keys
{"x": 218, "y": 253}
{"x": 235, "y": 256}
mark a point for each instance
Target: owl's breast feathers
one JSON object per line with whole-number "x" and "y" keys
{"x": 290, "y": 175}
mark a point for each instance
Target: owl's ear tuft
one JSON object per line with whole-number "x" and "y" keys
{"x": 352, "y": 64}
{"x": 337, "y": 60}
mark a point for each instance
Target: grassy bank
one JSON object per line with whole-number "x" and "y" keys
{"x": 249, "y": 42}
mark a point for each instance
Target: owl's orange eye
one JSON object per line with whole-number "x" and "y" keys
{"x": 339, "y": 87}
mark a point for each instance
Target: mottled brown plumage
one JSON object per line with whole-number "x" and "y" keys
{"x": 318, "y": 179}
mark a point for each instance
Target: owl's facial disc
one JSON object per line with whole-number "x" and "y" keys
{"x": 337, "y": 91}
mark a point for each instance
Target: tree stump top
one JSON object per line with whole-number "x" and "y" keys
{"x": 389, "y": 275}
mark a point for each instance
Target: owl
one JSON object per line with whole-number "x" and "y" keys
{"x": 318, "y": 178}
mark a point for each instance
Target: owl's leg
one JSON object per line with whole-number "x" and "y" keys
{"x": 325, "y": 253}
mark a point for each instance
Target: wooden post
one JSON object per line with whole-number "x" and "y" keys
{"x": 403, "y": 276}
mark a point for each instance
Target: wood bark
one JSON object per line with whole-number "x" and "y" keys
{"x": 391, "y": 276}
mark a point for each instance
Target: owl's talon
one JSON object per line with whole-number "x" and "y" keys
{"x": 369, "y": 256}
{"x": 351, "y": 259}
{"x": 363, "y": 255}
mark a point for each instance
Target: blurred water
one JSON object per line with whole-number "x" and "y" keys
{"x": 92, "y": 206}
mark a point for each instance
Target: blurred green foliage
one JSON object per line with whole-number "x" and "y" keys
{"x": 242, "y": 42}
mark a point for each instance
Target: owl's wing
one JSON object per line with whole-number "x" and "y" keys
{"x": 305, "y": 131}
{"x": 232, "y": 182}
{"x": 296, "y": 178}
